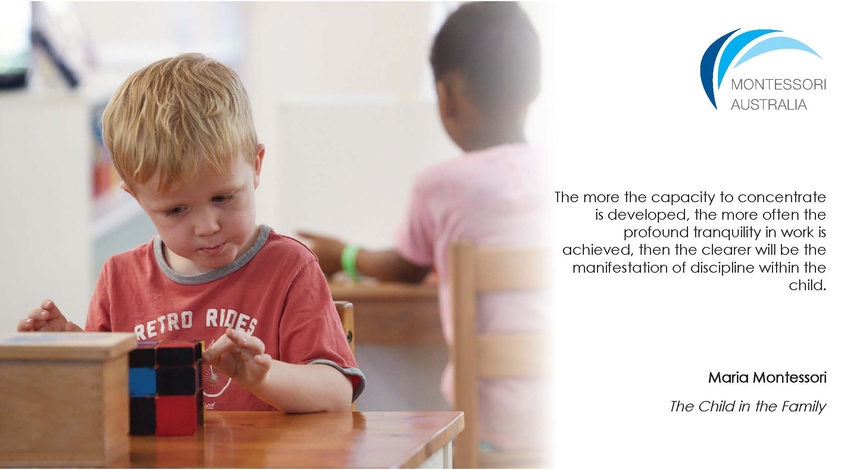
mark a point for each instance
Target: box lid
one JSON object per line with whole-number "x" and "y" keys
{"x": 66, "y": 346}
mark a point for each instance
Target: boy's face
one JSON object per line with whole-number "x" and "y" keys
{"x": 208, "y": 221}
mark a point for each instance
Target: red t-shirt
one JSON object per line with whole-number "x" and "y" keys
{"x": 275, "y": 292}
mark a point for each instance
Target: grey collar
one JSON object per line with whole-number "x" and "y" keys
{"x": 216, "y": 273}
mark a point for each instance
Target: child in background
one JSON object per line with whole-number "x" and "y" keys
{"x": 486, "y": 64}
{"x": 181, "y": 135}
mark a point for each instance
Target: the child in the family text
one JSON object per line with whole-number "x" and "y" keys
{"x": 181, "y": 135}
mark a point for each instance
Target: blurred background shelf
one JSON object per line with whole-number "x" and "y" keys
{"x": 111, "y": 211}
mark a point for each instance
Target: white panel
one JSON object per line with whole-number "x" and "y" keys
{"x": 346, "y": 166}
{"x": 45, "y": 149}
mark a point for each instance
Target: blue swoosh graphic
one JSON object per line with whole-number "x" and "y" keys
{"x": 735, "y": 46}
{"x": 706, "y": 65}
{"x": 774, "y": 44}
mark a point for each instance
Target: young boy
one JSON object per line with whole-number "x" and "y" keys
{"x": 181, "y": 135}
{"x": 486, "y": 63}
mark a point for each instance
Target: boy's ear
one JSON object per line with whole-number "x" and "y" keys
{"x": 451, "y": 92}
{"x": 447, "y": 99}
{"x": 258, "y": 164}
{"x": 127, "y": 189}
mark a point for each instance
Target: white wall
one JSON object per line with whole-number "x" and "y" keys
{"x": 303, "y": 51}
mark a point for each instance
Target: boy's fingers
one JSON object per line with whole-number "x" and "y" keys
{"x": 236, "y": 336}
{"x": 215, "y": 350}
{"x": 219, "y": 347}
{"x": 263, "y": 359}
{"x": 35, "y": 314}
{"x": 211, "y": 357}
{"x": 49, "y": 311}
{"x": 244, "y": 355}
{"x": 50, "y": 306}
{"x": 31, "y": 324}
{"x": 236, "y": 343}
{"x": 25, "y": 325}
{"x": 34, "y": 320}
{"x": 245, "y": 341}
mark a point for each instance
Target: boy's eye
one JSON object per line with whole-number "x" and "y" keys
{"x": 175, "y": 210}
{"x": 222, "y": 197}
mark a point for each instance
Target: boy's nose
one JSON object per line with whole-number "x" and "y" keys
{"x": 206, "y": 224}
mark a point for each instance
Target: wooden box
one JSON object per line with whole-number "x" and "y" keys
{"x": 64, "y": 399}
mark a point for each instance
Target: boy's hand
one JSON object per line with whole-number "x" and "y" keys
{"x": 48, "y": 317}
{"x": 328, "y": 250}
{"x": 240, "y": 356}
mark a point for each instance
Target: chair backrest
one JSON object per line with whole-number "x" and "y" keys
{"x": 345, "y": 310}
{"x": 483, "y": 269}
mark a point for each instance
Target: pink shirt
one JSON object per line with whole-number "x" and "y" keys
{"x": 492, "y": 197}
{"x": 276, "y": 292}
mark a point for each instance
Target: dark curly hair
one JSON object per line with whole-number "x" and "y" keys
{"x": 494, "y": 46}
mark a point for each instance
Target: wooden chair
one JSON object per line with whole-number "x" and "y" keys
{"x": 345, "y": 310}
{"x": 504, "y": 355}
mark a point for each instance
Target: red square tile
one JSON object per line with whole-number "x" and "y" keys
{"x": 176, "y": 415}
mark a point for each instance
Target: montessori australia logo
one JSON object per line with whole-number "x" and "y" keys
{"x": 773, "y": 92}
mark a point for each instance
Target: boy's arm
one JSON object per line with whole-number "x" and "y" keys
{"x": 305, "y": 388}
{"x": 293, "y": 388}
{"x": 388, "y": 265}
{"x": 385, "y": 265}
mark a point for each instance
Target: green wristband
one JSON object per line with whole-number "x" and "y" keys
{"x": 348, "y": 260}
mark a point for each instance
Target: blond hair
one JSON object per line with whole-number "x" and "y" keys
{"x": 177, "y": 118}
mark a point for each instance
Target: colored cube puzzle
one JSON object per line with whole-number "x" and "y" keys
{"x": 166, "y": 397}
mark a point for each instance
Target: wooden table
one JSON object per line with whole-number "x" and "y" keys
{"x": 392, "y": 313}
{"x": 240, "y": 439}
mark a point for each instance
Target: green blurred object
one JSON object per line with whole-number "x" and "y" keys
{"x": 15, "y": 43}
